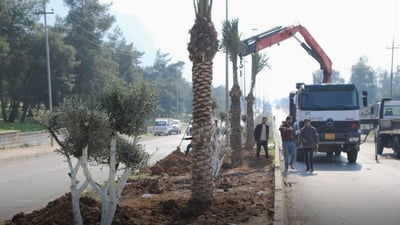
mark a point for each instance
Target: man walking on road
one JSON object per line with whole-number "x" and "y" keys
{"x": 261, "y": 135}
{"x": 309, "y": 141}
{"x": 289, "y": 148}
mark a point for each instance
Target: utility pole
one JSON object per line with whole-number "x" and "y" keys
{"x": 44, "y": 12}
{"x": 391, "y": 69}
{"x": 244, "y": 88}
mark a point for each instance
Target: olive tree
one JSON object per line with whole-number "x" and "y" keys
{"x": 97, "y": 134}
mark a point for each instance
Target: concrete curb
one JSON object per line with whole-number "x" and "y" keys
{"x": 280, "y": 210}
{"x": 26, "y": 152}
{"x": 280, "y": 216}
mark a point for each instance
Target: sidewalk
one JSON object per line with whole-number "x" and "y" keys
{"x": 26, "y": 152}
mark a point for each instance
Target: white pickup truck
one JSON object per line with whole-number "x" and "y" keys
{"x": 387, "y": 131}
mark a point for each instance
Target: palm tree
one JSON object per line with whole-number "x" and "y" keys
{"x": 232, "y": 45}
{"x": 202, "y": 48}
{"x": 258, "y": 62}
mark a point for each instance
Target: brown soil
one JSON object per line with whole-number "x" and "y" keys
{"x": 243, "y": 195}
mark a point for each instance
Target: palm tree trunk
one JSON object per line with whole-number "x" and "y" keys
{"x": 250, "y": 122}
{"x": 235, "y": 136}
{"x": 202, "y": 171}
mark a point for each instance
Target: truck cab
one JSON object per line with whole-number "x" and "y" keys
{"x": 334, "y": 112}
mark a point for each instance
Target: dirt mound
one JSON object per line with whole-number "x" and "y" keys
{"x": 242, "y": 195}
{"x": 59, "y": 211}
{"x": 176, "y": 163}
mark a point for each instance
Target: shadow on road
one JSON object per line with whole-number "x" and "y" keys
{"x": 322, "y": 162}
{"x": 387, "y": 156}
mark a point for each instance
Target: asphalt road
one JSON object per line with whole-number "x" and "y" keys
{"x": 364, "y": 193}
{"x": 28, "y": 184}
{"x": 338, "y": 193}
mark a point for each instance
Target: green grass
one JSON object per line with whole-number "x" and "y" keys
{"x": 28, "y": 125}
{"x": 25, "y": 145}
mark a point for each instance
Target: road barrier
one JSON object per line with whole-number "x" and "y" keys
{"x": 15, "y": 138}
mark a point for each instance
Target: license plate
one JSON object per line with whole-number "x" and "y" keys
{"x": 329, "y": 136}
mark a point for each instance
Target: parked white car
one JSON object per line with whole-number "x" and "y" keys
{"x": 176, "y": 126}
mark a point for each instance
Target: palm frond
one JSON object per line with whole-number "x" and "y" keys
{"x": 258, "y": 63}
{"x": 230, "y": 37}
{"x": 203, "y": 8}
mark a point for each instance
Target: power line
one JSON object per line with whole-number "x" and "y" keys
{"x": 81, "y": 18}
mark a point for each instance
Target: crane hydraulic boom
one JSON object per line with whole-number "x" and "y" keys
{"x": 278, "y": 34}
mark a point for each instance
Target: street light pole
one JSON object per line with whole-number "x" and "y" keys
{"x": 177, "y": 97}
{"x": 226, "y": 83}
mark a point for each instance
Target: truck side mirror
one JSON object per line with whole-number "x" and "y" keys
{"x": 365, "y": 98}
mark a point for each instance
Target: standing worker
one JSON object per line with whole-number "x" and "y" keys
{"x": 309, "y": 141}
{"x": 261, "y": 135}
{"x": 289, "y": 147}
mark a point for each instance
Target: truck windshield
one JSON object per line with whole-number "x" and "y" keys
{"x": 321, "y": 100}
{"x": 391, "y": 110}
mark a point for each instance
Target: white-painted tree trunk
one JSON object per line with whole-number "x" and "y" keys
{"x": 75, "y": 190}
{"x": 111, "y": 192}
{"x": 96, "y": 187}
{"x": 218, "y": 156}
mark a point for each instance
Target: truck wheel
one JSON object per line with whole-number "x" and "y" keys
{"x": 378, "y": 147}
{"x": 397, "y": 153}
{"x": 396, "y": 146}
{"x": 352, "y": 156}
{"x": 300, "y": 155}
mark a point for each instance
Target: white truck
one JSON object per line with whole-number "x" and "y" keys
{"x": 334, "y": 111}
{"x": 387, "y": 129}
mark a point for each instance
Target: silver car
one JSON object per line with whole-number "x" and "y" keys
{"x": 162, "y": 127}
{"x": 176, "y": 126}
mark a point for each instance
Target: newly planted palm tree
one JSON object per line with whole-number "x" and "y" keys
{"x": 202, "y": 48}
{"x": 232, "y": 45}
{"x": 258, "y": 62}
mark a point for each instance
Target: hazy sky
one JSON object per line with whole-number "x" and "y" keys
{"x": 346, "y": 30}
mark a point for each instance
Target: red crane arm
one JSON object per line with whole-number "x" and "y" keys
{"x": 278, "y": 34}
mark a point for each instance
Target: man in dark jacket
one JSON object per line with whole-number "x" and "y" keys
{"x": 309, "y": 141}
{"x": 261, "y": 135}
